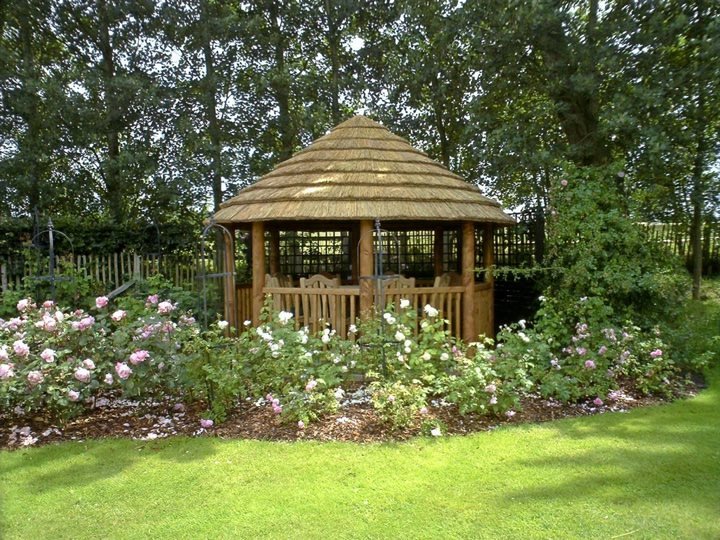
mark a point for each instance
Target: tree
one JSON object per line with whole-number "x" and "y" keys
{"x": 118, "y": 103}
{"x": 679, "y": 151}
{"x": 32, "y": 89}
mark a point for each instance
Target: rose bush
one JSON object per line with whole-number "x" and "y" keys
{"x": 54, "y": 360}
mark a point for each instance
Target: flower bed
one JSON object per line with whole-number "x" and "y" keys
{"x": 58, "y": 364}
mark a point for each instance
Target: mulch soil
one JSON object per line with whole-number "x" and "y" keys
{"x": 354, "y": 421}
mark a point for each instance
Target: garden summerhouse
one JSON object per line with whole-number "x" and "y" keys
{"x": 318, "y": 226}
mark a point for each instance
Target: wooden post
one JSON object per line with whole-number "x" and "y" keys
{"x": 366, "y": 266}
{"x": 137, "y": 267}
{"x": 3, "y": 277}
{"x": 230, "y": 304}
{"x": 438, "y": 250}
{"x": 258, "y": 269}
{"x": 468, "y": 280}
{"x": 274, "y": 251}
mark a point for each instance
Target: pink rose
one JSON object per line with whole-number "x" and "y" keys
{"x": 48, "y": 355}
{"x": 206, "y": 423}
{"x": 123, "y": 370}
{"x": 23, "y": 305}
{"x": 73, "y": 395}
{"x": 152, "y": 299}
{"x": 49, "y": 324}
{"x": 139, "y": 356}
{"x": 35, "y": 377}
{"x": 108, "y": 378}
{"x": 589, "y": 364}
{"x": 602, "y": 350}
{"x": 277, "y": 409}
{"x": 6, "y": 371}
{"x": 301, "y": 424}
{"x": 4, "y": 354}
{"x": 656, "y": 353}
{"x": 563, "y": 183}
{"x": 312, "y": 383}
{"x": 119, "y": 315}
{"x": 82, "y": 375}
{"x": 598, "y": 402}
{"x": 101, "y": 302}
{"x": 88, "y": 363}
{"x": 47, "y": 304}
{"x": 165, "y": 308}
{"x": 490, "y": 388}
{"x": 21, "y": 348}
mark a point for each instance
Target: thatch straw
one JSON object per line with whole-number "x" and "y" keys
{"x": 360, "y": 170}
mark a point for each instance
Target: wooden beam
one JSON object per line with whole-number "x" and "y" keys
{"x": 366, "y": 266}
{"x": 231, "y": 311}
{"x": 438, "y": 250}
{"x": 468, "y": 281}
{"x": 258, "y": 269}
{"x": 274, "y": 251}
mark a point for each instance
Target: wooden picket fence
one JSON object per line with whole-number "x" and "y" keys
{"x": 111, "y": 270}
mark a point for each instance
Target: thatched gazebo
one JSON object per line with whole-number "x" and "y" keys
{"x": 344, "y": 181}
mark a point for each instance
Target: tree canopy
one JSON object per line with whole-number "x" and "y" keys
{"x": 146, "y": 110}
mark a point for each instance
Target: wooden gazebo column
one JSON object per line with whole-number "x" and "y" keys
{"x": 258, "y": 269}
{"x": 366, "y": 266}
{"x": 468, "y": 281}
{"x": 230, "y": 300}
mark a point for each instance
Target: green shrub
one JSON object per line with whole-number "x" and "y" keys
{"x": 397, "y": 404}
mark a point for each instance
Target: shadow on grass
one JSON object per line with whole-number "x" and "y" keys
{"x": 668, "y": 454}
{"x": 73, "y": 465}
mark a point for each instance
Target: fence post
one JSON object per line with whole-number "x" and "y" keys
{"x": 137, "y": 273}
{"x": 3, "y": 274}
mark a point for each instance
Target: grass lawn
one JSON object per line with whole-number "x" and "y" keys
{"x": 650, "y": 473}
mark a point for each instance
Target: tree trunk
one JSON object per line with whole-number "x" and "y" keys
{"x": 280, "y": 84}
{"x": 334, "y": 54}
{"x": 440, "y": 125}
{"x": 30, "y": 112}
{"x": 209, "y": 86}
{"x": 578, "y": 106}
{"x": 113, "y": 115}
{"x": 696, "y": 228}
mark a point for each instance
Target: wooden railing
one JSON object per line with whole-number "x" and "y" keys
{"x": 243, "y": 302}
{"x": 340, "y": 307}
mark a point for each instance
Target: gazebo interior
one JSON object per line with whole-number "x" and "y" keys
{"x": 316, "y": 226}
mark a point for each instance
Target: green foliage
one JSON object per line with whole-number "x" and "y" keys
{"x": 488, "y": 382}
{"x": 390, "y": 350}
{"x": 396, "y": 403}
{"x": 597, "y": 252}
{"x": 695, "y": 332}
{"x": 212, "y": 370}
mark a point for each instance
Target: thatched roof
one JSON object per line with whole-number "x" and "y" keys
{"x": 360, "y": 170}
